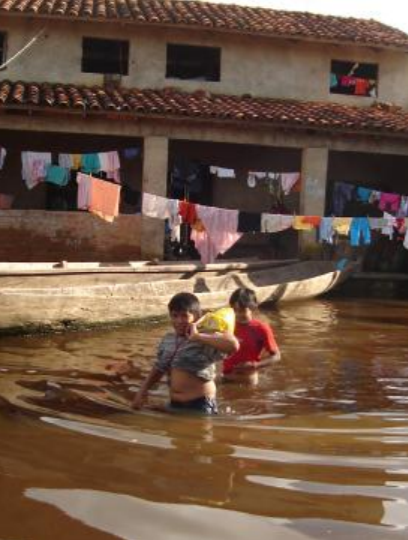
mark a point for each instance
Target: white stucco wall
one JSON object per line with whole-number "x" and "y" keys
{"x": 249, "y": 64}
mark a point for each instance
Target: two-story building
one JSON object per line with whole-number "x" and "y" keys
{"x": 239, "y": 88}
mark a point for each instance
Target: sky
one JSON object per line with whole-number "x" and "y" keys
{"x": 391, "y": 12}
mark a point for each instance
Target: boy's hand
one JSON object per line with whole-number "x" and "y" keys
{"x": 192, "y": 332}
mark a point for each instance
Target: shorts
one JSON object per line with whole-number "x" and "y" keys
{"x": 202, "y": 405}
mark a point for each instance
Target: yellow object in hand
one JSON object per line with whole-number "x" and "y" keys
{"x": 221, "y": 320}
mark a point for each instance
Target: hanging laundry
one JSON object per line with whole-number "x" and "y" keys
{"x": 361, "y": 86}
{"x": 158, "y": 207}
{"x": 390, "y": 222}
{"x": 6, "y": 201}
{"x": 289, "y": 180}
{"x": 360, "y": 232}
{"x": 363, "y": 194}
{"x": 173, "y": 217}
{"x": 254, "y": 177}
{"x": 272, "y": 223}
{"x": 65, "y": 160}
{"x": 76, "y": 161}
{"x": 34, "y": 167}
{"x": 57, "y": 175}
{"x": 347, "y": 81}
{"x": 154, "y": 206}
{"x": 220, "y": 232}
{"x": 405, "y": 244}
{"x": 390, "y": 202}
{"x": 333, "y": 80}
{"x": 342, "y": 225}
{"x": 110, "y": 163}
{"x": 84, "y": 191}
{"x": 300, "y": 225}
{"x": 275, "y": 187}
{"x": 374, "y": 197}
{"x": 104, "y": 199}
{"x": 249, "y": 222}
{"x": 3, "y": 153}
{"x": 326, "y": 231}
{"x": 377, "y": 223}
{"x": 403, "y": 209}
{"x": 342, "y": 193}
{"x": 222, "y": 172}
{"x": 399, "y": 228}
{"x": 90, "y": 163}
{"x": 314, "y": 221}
{"x": 187, "y": 211}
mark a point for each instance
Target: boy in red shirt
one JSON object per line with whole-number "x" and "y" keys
{"x": 258, "y": 347}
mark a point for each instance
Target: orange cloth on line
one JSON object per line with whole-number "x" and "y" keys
{"x": 198, "y": 225}
{"x": 188, "y": 212}
{"x": 342, "y": 225}
{"x": 300, "y": 225}
{"x": 104, "y": 199}
{"x": 312, "y": 220}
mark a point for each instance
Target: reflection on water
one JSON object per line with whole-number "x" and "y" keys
{"x": 318, "y": 450}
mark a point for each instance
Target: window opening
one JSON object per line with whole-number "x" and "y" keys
{"x": 105, "y": 56}
{"x": 190, "y": 62}
{"x": 353, "y": 78}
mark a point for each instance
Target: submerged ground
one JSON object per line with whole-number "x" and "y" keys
{"x": 318, "y": 450}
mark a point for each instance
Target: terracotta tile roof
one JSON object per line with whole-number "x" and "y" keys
{"x": 233, "y": 18}
{"x": 171, "y": 103}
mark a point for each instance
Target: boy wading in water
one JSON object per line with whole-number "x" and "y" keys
{"x": 257, "y": 345}
{"x": 188, "y": 357}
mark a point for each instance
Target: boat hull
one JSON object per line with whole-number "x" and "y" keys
{"x": 49, "y": 304}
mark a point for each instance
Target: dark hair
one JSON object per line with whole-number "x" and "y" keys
{"x": 185, "y": 301}
{"x": 244, "y": 298}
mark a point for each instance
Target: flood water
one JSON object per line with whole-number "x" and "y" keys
{"x": 318, "y": 450}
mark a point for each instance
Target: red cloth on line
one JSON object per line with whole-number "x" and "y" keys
{"x": 187, "y": 211}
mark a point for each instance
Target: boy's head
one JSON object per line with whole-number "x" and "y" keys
{"x": 184, "y": 309}
{"x": 243, "y": 301}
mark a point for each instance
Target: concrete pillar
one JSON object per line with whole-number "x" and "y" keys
{"x": 313, "y": 195}
{"x": 155, "y": 164}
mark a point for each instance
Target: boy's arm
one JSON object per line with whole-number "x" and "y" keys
{"x": 140, "y": 398}
{"x": 225, "y": 342}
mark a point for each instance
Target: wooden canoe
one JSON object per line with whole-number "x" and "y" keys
{"x": 38, "y": 297}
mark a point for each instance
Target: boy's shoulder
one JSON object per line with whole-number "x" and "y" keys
{"x": 168, "y": 338}
{"x": 262, "y": 325}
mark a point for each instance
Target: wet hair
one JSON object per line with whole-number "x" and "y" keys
{"x": 185, "y": 301}
{"x": 243, "y": 298}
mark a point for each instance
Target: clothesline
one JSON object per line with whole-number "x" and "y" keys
{"x": 214, "y": 230}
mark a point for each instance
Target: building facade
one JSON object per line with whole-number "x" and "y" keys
{"x": 241, "y": 88}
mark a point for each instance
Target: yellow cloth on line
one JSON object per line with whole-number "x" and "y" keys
{"x": 76, "y": 160}
{"x": 342, "y": 225}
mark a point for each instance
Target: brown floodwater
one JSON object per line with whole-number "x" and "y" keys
{"x": 318, "y": 450}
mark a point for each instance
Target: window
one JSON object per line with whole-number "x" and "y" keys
{"x": 353, "y": 78}
{"x": 2, "y": 48}
{"x": 105, "y": 56}
{"x": 190, "y": 62}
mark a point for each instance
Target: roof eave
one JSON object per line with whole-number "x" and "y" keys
{"x": 261, "y": 124}
{"x": 229, "y": 31}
